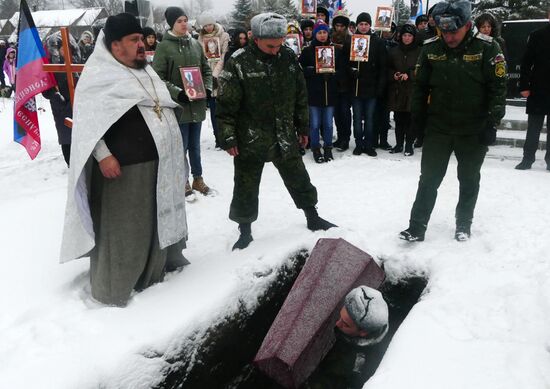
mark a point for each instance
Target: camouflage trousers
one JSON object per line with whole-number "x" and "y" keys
{"x": 248, "y": 174}
{"x": 436, "y": 153}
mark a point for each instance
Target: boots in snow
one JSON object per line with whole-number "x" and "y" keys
{"x": 245, "y": 238}
{"x": 524, "y": 165}
{"x": 317, "y": 155}
{"x": 315, "y": 222}
{"x": 409, "y": 150}
{"x": 328, "y": 153}
{"x": 200, "y": 186}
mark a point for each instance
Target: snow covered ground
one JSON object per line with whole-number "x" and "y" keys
{"x": 482, "y": 323}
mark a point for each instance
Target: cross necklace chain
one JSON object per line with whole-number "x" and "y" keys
{"x": 157, "y": 108}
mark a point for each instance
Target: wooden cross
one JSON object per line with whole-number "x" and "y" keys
{"x": 68, "y": 67}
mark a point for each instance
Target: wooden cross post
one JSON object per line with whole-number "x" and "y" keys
{"x": 68, "y": 67}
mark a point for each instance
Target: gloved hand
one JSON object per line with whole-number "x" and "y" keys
{"x": 309, "y": 71}
{"x": 488, "y": 136}
{"x": 182, "y": 98}
{"x": 354, "y": 73}
{"x": 208, "y": 94}
{"x": 58, "y": 98}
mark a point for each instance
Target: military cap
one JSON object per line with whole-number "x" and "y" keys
{"x": 451, "y": 15}
{"x": 268, "y": 26}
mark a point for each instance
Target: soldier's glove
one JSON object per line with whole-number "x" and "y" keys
{"x": 354, "y": 73}
{"x": 488, "y": 136}
{"x": 58, "y": 98}
{"x": 309, "y": 71}
{"x": 183, "y": 98}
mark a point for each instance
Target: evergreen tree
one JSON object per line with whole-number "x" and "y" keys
{"x": 402, "y": 12}
{"x": 242, "y": 14}
{"x": 271, "y": 6}
{"x": 513, "y": 9}
{"x": 288, "y": 9}
{"x": 8, "y": 8}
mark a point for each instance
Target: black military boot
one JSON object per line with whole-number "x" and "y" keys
{"x": 409, "y": 150}
{"x": 412, "y": 235}
{"x": 245, "y": 238}
{"x": 328, "y": 153}
{"x": 397, "y": 149}
{"x": 524, "y": 165}
{"x": 343, "y": 146}
{"x": 462, "y": 233}
{"x": 317, "y": 155}
{"x": 315, "y": 222}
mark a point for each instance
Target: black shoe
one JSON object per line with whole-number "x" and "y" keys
{"x": 318, "y": 156}
{"x": 337, "y": 143}
{"x": 396, "y": 150}
{"x": 418, "y": 143}
{"x": 524, "y": 165}
{"x": 462, "y": 233}
{"x": 358, "y": 150}
{"x": 410, "y": 235}
{"x": 328, "y": 153}
{"x": 385, "y": 146}
{"x": 245, "y": 238}
{"x": 315, "y": 222}
{"x": 343, "y": 146}
{"x": 409, "y": 150}
{"x": 371, "y": 152}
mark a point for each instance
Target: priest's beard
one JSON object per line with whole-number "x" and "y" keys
{"x": 140, "y": 63}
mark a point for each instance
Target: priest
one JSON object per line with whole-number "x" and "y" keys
{"x": 126, "y": 203}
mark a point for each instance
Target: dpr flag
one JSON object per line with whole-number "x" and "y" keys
{"x": 31, "y": 80}
{"x": 416, "y": 9}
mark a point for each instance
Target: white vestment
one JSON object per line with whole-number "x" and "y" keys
{"x": 107, "y": 90}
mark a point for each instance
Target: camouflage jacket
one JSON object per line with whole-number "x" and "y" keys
{"x": 460, "y": 90}
{"x": 171, "y": 54}
{"x": 262, "y": 102}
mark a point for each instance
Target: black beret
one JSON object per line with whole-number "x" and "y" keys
{"x": 118, "y": 26}
{"x": 172, "y": 14}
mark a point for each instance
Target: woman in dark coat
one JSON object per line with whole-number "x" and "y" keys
{"x": 60, "y": 99}
{"x": 401, "y": 63}
{"x": 239, "y": 39}
{"x": 322, "y": 89}
{"x": 488, "y": 25}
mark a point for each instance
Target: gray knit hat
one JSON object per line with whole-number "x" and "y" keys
{"x": 452, "y": 15}
{"x": 268, "y": 26}
{"x": 205, "y": 19}
{"x": 368, "y": 310}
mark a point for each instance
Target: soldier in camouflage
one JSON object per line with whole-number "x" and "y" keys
{"x": 263, "y": 117}
{"x": 459, "y": 97}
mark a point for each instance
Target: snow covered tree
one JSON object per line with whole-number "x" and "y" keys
{"x": 288, "y": 9}
{"x": 112, "y": 7}
{"x": 8, "y": 8}
{"x": 271, "y": 6}
{"x": 513, "y": 9}
{"x": 402, "y": 12}
{"x": 242, "y": 14}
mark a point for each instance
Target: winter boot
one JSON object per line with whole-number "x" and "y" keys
{"x": 385, "y": 146}
{"x": 411, "y": 235}
{"x": 317, "y": 155}
{"x": 418, "y": 143}
{"x": 200, "y": 186}
{"x": 397, "y": 149}
{"x": 343, "y": 146}
{"x": 188, "y": 189}
{"x": 409, "y": 150}
{"x": 370, "y": 151}
{"x": 462, "y": 233}
{"x": 328, "y": 153}
{"x": 524, "y": 165}
{"x": 245, "y": 238}
{"x": 336, "y": 143}
{"x": 358, "y": 150}
{"x": 315, "y": 222}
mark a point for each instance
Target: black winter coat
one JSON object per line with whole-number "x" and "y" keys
{"x": 401, "y": 59}
{"x": 372, "y": 74}
{"x": 61, "y": 110}
{"x": 322, "y": 89}
{"x": 535, "y": 72}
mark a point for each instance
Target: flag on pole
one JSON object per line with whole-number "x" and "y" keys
{"x": 31, "y": 80}
{"x": 416, "y": 9}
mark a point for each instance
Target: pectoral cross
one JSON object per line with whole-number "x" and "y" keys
{"x": 158, "y": 109}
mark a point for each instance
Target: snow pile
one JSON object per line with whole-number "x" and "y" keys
{"x": 482, "y": 322}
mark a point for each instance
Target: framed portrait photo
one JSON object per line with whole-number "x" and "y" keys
{"x": 149, "y": 56}
{"x": 293, "y": 41}
{"x": 212, "y": 48}
{"x": 359, "y": 48}
{"x": 193, "y": 84}
{"x": 309, "y": 8}
{"x": 324, "y": 59}
{"x": 384, "y": 17}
